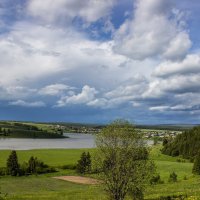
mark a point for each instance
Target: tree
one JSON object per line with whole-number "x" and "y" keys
{"x": 12, "y": 164}
{"x": 88, "y": 162}
{"x": 32, "y": 165}
{"x": 196, "y": 166}
{"x": 123, "y": 160}
{"x": 84, "y": 164}
{"x": 173, "y": 177}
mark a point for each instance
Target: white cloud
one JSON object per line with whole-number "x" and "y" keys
{"x": 88, "y": 10}
{"x": 27, "y": 104}
{"x": 87, "y": 95}
{"x": 54, "y": 89}
{"x": 127, "y": 93}
{"x": 15, "y": 92}
{"x": 173, "y": 85}
{"x": 152, "y": 33}
{"x": 191, "y": 64}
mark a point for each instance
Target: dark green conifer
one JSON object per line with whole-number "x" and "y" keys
{"x": 12, "y": 164}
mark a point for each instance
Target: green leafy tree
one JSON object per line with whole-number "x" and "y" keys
{"x": 196, "y": 166}
{"x": 12, "y": 164}
{"x": 123, "y": 161}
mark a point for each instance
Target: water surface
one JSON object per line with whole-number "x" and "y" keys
{"x": 75, "y": 141}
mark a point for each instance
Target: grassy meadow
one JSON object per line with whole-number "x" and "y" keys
{"x": 45, "y": 187}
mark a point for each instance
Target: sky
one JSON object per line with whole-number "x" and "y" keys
{"x": 94, "y": 61}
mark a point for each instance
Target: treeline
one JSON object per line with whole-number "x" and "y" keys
{"x": 32, "y": 166}
{"x": 186, "y": 144}
{"x": 20, "y": 130}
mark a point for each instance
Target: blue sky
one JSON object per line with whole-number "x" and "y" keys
{"x": 94, "y": 61}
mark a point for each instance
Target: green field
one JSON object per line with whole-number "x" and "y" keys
{"x": 45, "y": 187}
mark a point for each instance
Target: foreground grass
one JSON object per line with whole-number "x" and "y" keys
{"x": 45, "y": 187}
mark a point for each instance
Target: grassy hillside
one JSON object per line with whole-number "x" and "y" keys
{"x": 44, "y": 187}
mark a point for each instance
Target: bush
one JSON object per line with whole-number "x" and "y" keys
{"x": 3, "y": 171}
{"x": 174, "y": 197}
{"x": 40, "y": 170}
{"x": 156, "y": 180}
{"x": 180, "y": 160}
{"x": 23, "y": 171}
{"x": 70, "y": 166}
{"x": 173, "y": 177}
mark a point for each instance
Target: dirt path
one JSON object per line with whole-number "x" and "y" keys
{"x": 78, "y": 179}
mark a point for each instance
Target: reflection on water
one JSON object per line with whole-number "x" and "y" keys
{"x": 75, "y": 141}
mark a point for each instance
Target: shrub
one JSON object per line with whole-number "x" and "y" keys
{"x": 174, "y": 197}
{"x": 70, "y": 166}
{"x": 156, "y": 180}
{"x": 173, "y": 177}
{"x": 3, "y": 171}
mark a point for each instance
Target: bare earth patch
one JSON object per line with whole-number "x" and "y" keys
{"x": 79, "y": 179}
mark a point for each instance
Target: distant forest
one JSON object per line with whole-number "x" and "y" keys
{"x": 186, "y": 144}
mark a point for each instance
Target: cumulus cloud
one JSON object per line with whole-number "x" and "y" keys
{"x": 27, "y": 104}
{"x": 191, "y": 64}
{"x": 36, "y": 53}
{"x": 88, "y": 10}
{"x": 173, "y": 85}
{"x": 87, "y": 95}
{"x": 15, "y": 92}
{"x": 54, "y": 89}
{"x": 153, "y": 32}
{"x": 127, "y": 93}
{"x": 48, "y": 57}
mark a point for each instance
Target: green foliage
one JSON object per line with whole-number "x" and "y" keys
{"x": 12, "y": 164}
{"x": 22, "y": 130}
{"x": 69, "y": 166}
{"x": 196, "y": 166}
{"x": 173, "y": 197}
{"x": 186, "y": 144}
{"x": 155, "y": 140}
{"x": 173, "y": 177}
{"x": 84, "y": 164}
{"x": 156, "y": 180}
{"x": 123, "y": 160}
{"x": 3, "y": 171}
{"x": 32, "y": 165}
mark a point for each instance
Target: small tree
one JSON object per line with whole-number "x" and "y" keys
{"x": 155, "y": 140}
{"x": 12, "y": 164}
{"x": 196, "y": 166}
{"x": 32, "y": 165}
{"x": 122, "y": 160}
{"x": 88, "y": 162}
{"x": 165, "y": 141}
{"x": 84, "y": 164}
{"x": 173, "y": 177}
